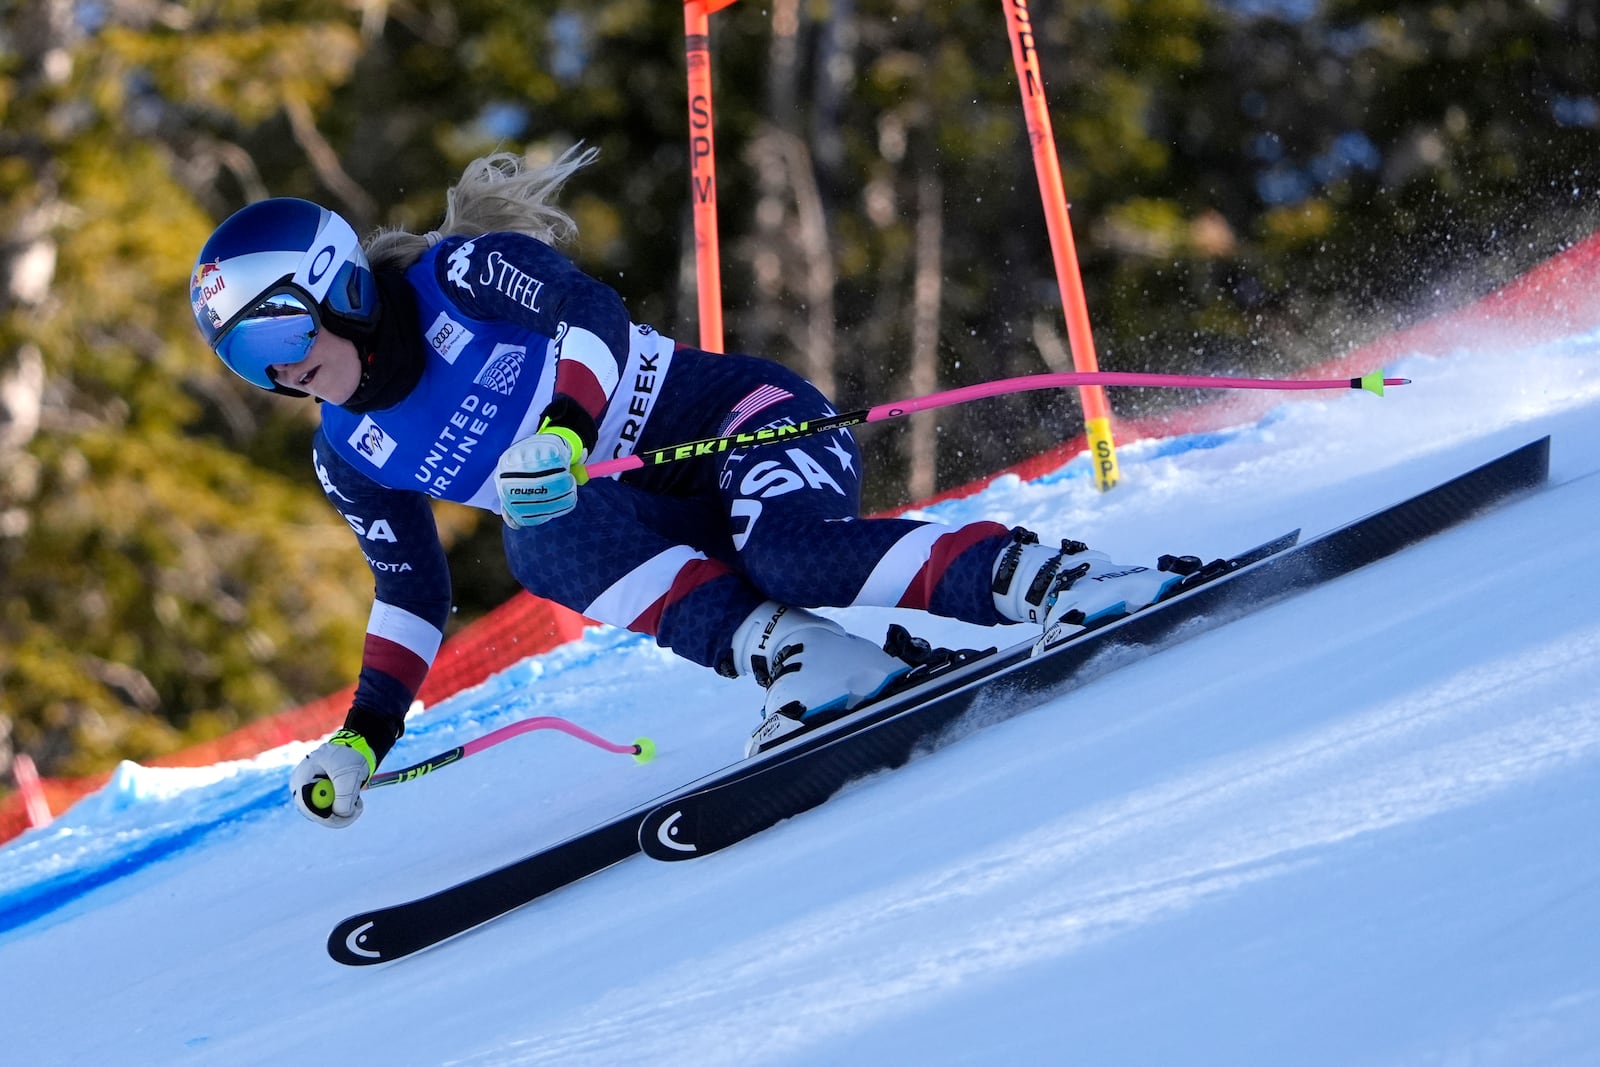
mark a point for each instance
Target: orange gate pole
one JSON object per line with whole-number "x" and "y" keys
{"x": 703, "y": 169}
{"x": 1046, "y": 165}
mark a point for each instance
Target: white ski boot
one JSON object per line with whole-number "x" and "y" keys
{"x": 812, "y": 669}
{"x": 1067, "y": 587}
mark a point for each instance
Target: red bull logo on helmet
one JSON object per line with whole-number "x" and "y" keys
{"x": 206, "y": 283}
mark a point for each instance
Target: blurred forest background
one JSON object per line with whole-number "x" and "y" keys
{"x": 1255, "y": 185}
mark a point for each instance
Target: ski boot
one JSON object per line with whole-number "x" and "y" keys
{"x": 1072, "y": 587}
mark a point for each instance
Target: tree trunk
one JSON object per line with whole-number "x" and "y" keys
{"x": 921, "y": 442}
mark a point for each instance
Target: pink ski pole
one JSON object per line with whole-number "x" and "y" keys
{"x": 318, "y": 794}
{"x": 1373, "y": 383}
{"x": 643, "y": 750}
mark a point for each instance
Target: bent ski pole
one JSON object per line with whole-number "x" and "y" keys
{"x": 643, "y": 750}
{"x": 319, "y": 793}
{"x": 1373, "y": 383}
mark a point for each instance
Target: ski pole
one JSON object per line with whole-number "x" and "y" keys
{"x": 643, "y": 750}
{"x": 1373, "y": 383}
{"x": 318, "y": 794}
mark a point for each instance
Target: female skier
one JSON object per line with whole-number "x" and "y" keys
{"x": 475, "y": 363}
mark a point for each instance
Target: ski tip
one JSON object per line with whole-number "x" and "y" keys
{"x": 350, "y": 943}
{"x": 644, "y": 750}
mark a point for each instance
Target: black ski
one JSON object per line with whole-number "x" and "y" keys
{"x": 391, "y": 933}
{"x": 727, "y": 812}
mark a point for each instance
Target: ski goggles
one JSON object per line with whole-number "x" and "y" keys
{"x": 279, "y": 329}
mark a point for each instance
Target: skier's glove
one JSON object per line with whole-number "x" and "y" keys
{"x": 538, "y": 477}
{"x": 326, "y": 786}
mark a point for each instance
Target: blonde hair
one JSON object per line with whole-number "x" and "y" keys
{"x": 496, "y": 193}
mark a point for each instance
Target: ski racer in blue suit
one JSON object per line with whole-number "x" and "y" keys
{"x": 477, "y": 364}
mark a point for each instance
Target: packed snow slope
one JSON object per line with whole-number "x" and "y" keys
{"x": 1361, "y": 825}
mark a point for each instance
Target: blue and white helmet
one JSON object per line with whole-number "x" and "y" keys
{"x": 271, "y": 276}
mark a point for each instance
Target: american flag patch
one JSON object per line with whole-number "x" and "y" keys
{"x": 752, "y": 405}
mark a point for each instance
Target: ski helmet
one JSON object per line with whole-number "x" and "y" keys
{"x": 272, "y": 275}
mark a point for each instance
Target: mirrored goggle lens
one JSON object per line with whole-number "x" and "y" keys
{"x": 280, "y": 329}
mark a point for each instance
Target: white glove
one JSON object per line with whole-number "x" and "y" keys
{"x": 538, "y": 477}
{"x": 340, "y": 765}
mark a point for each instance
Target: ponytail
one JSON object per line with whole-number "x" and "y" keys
{"x": 495, "y": 194}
